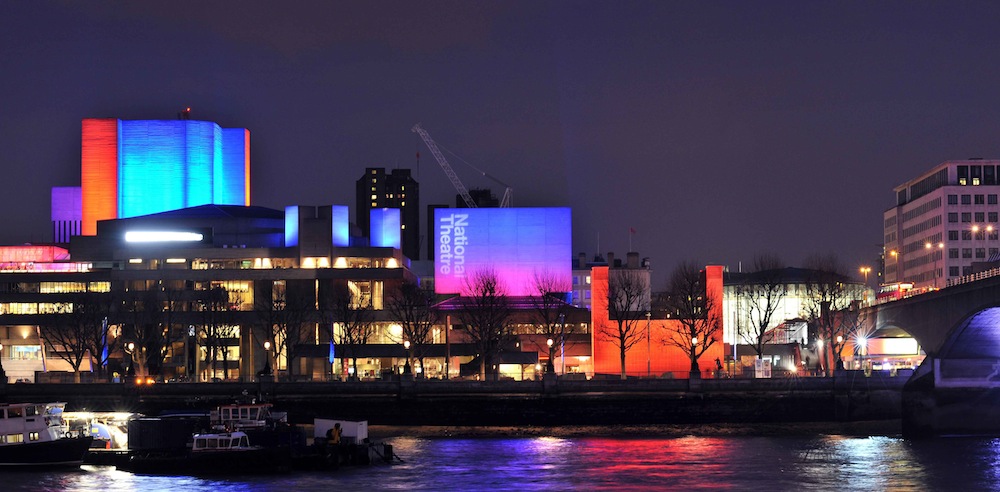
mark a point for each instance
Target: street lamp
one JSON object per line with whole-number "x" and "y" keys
{"x": 865, "y": 271}
{"x": 129, "y": 348}
{"x": 934, "y": 254}
{"x": 649, "y": 352}
{"x": 898, "y": 258}
{"x": 406, "y": 346}
{"x": 562, "y": 341}
{"x": 267, "y": 357}
{"x": 550, "y": 366}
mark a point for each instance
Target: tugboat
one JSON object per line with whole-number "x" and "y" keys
{"x": 35, "y": 434}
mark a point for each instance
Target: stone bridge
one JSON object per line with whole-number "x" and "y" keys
{"x": 957, "y": 387}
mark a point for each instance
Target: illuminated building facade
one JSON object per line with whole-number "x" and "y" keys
{"x": 648, "y": 354}
{"x": 518, "y": 244}
{"x": 396, "y": 189}
{"x": 131, "y": 168}
{"x": 181, "y": 261}
{"x": 944, "y": 220}
{"x": 66, "y": 213}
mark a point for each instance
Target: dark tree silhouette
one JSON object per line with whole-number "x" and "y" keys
{"x": 696, "y": 312}
{"x": 412, "y": 307}
{"x": 485, "y": 313}
{"x": 628, "y": 294}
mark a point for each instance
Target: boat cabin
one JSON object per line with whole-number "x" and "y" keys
{"x": 242, "y": 416}
{"x": 230, "y": 441}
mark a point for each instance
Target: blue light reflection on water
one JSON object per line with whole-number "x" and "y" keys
{"x": 549, "y": 463}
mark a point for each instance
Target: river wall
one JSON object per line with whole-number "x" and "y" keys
{"x": 849, "y": 396}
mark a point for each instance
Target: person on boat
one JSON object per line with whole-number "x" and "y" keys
{"x": 336, "y": 434}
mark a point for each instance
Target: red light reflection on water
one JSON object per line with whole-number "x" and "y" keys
{"x": 688, "y": 462}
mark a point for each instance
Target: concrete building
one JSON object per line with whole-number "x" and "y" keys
{"x": 944, "y": 220}
{"x": 395, "y": 189}
{"x": 131, "y": 168}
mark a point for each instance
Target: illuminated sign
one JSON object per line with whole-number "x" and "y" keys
{"x": 162, "y": 236}
{"x": 516, "y": 243}
{"x": 42, "y": 254}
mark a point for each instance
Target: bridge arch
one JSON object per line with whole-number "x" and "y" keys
{"x": 976, "y": 336}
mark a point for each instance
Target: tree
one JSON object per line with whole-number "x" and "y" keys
{"x": 696, "y": 311}
{"x": 68, "y": 337}
{"x": 762, "y": 290}
{"x": 627, "y": 293}
{"x": 412, "y": 306}
{"x": 100, "y": 341}
{"x": 346, "y": 307}
{"x": 215, "y": 327}
{"x": 550, "y": 310}
{"x": 485, "y": 313}
{"x": 280, "y": 314}
{"x": 828, "y": 292}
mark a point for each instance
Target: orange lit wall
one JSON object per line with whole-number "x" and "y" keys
{"x": 99, "y": 172}
{"x": 246, "y": 169}
{"x": 659, "y": 358}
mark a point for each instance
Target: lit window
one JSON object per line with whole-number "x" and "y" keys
{"x": 374, "y": 197}
{"x": 402, "y": 204}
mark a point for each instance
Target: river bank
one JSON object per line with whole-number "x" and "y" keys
{"x": 855, "y": 429}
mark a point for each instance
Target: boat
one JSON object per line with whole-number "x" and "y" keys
{"x": 35, "y": 434}
{"x": 213, "y": 453}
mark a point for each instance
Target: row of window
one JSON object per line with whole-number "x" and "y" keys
{"x": 977, "y": 175}
{"x": 969, "y": 217}
{"x": 968, "y": 235}
{"x": 16, "y": 438}
{"x": 973, "y": 199}
{"x": 967, "y": 252}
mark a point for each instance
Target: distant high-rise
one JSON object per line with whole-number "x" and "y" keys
{"x": 396, "y": 189}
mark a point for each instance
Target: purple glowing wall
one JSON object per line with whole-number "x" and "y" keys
{"x": 516, "y": 243}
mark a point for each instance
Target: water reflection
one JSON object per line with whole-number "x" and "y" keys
{"x": 550, "y": 463}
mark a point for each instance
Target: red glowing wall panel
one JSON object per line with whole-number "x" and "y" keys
{"x": 99, "y": 172}
{"x": 649, "y": 355}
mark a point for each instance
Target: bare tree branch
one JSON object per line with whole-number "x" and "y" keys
{"x": 695, "y": 310}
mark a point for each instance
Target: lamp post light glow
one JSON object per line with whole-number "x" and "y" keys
{"x": 406, "y": 346}
{"x": 898, "y": 258}
{"x": 550, "y": 365}
{"x": 267, "y": 357}
{"x": 934, "y": 254}
{"x": 649, "y": 352}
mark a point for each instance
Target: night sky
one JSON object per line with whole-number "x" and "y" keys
{"x": 717, "y": 130}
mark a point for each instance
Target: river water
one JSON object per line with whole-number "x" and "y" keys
{"x": 822, "y": 462}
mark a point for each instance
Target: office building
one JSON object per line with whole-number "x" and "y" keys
{"x": 944, "y": 220}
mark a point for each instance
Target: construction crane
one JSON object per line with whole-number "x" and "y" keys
{"x": 508, "y": 195}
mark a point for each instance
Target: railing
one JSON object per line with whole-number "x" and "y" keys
{"x": 993, "y": 272}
